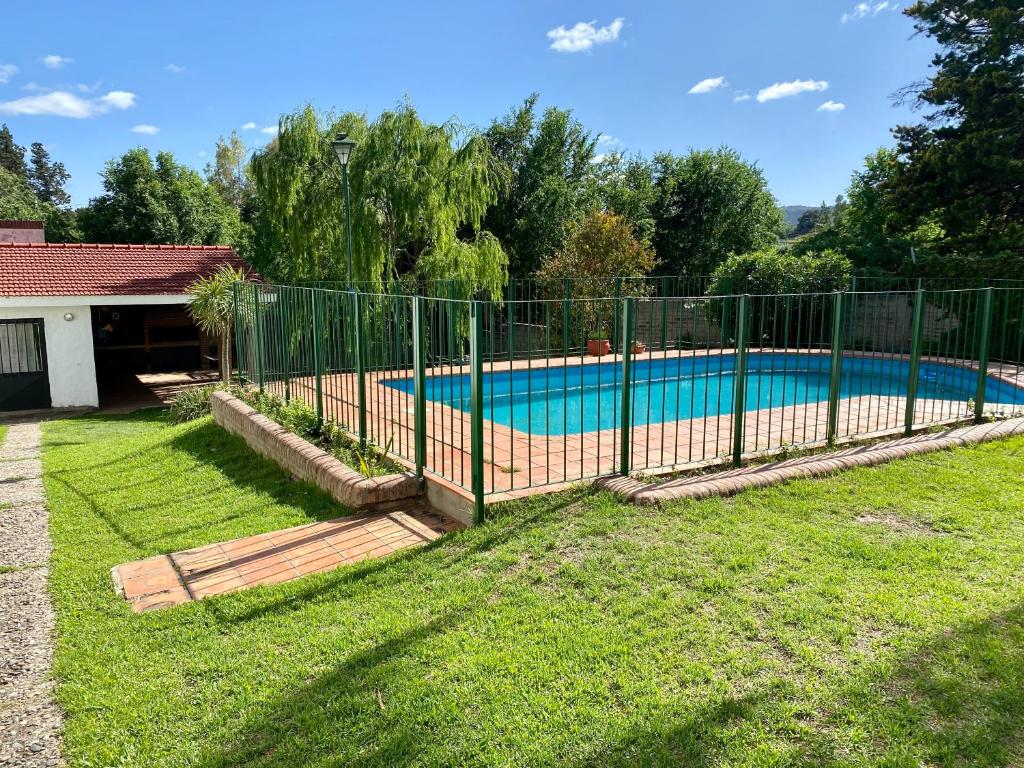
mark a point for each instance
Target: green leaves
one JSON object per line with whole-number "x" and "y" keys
{"x": 418, "y": 191}
{"x": 963, "y": 167}
{"x": 212, "y": 307}
{"x": 161, "y": 202}
{"x": 709, "y": 204}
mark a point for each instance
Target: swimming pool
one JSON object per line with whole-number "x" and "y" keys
{"x": 561, "y": 400}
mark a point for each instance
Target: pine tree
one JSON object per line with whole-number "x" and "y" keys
{"x": 47, "y": 177}
{"x": 12, "y": 157}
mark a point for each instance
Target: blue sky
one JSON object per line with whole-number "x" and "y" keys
{"x": 97, "y": 76}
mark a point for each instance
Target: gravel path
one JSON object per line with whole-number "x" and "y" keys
{"x": 30, "y": 722}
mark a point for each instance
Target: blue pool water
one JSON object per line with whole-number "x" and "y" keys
{"x": 583, "y": 398}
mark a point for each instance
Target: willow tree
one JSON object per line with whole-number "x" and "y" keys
{"x": 418, "y": 193}
{"x": 300, "y": 231}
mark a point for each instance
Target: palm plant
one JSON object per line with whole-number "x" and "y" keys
{"x": 212, "y": 309}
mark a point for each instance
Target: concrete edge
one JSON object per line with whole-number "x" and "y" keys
{"x": 733, "y": 481}
{"x": 306, "y": 461}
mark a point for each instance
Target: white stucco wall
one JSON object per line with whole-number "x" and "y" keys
{"x": 69, "y": 354}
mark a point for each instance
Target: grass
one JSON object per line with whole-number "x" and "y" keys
{"x": 872, "y": 618}
{"x": 3, "y": 432}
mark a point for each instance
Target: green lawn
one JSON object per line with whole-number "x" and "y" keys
{"x": 3, "y": 432}
{"x": 874, "y": 618}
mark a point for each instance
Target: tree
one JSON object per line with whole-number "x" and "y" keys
{"x": 625, "y": 185}
{"x": 549, "y": 161}
{"x": 599, "y": 247}
{"x": 808, "y": 221}
{"x": 157, "y": 203}
{"x": 17, "y": 200}
{"x": 963, "y": 166}
{"x": 48, "y": 177}
{"x": 709, "y": 204}
{"x": 12, "y": 157}
{"x": 212, "y": 307}
{"x": 229, "y": 173}
{"x": 419, "y": 192}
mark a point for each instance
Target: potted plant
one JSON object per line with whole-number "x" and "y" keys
{"x": 598, "y": 343}
{"x": 638, "y": 348}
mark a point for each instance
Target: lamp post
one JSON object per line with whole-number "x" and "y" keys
{"x": 343, "y": 146}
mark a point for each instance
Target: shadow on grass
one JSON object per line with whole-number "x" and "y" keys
{"x": 244, "y": 473}
{"x": 953, "y": 700}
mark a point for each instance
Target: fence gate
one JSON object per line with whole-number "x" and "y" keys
{"x": 24, "y": 383}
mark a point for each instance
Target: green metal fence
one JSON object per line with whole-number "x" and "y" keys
{"x": 499, "y": 397}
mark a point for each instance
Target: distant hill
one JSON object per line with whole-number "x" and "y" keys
{"x": 791, "y": 213}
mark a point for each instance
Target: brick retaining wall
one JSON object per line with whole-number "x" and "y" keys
{"x": 305, "y": 461}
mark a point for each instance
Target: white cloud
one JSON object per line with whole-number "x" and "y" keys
{"x": 34, "y": 87}
{"x": 202, "y": 153}
{"x": 864, "y": 9}
{"x": 249, "y": 126}
{"x": 740, "y": 96}
{"x": 709, "y": 84}
{"x": 610, "y": 142}
{"x": 790, "y": 88}
{"x": 583, "y": 36}
{"x": 175, "y": 68}
{"x": 65, "y": 104}
{"x": 7, "y": 71}
{"x": 53, "y": 61}
{"x": 145, "y": 128}
{"x": 270, "y": 130}
{"x": 832, "y": 106}
{"x": 118, "y": 99}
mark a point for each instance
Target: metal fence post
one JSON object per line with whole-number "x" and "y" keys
{"x": 983, "y": 347}
{"x": 258, "y": 332}
{"x": 419, "y": 367}
{"x": 511, "y": 319}
{"x": 360, "y": 353}
{"x": 835, "y": 368}
{"x": 740, "y": 403}
{"x": 318, "y": 354}
{"x": 627, "y": 375}
{"x": 915, "y": 361}
{"x": 616, "y": 327}
{"x": 565, "y": 317}
{"x": 725, "y": 321}
{"x": 476, "y": 412}
{"x": 235, "y": 327}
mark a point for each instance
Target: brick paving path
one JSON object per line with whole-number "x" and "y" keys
{"x": 272, "y": 558}
{"x": 30, "y": 721}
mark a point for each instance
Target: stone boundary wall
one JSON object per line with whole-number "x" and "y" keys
{"x": 307, "y": 462}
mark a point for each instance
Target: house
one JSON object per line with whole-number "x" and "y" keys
{"x": 76, "y": 315}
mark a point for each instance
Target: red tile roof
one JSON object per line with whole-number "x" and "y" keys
{"x": 91, "y": 269}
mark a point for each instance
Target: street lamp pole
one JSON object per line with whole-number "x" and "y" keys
{"x": 343, "y": 147}
{"x": 348, "y": 222}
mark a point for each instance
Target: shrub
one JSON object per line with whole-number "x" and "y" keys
{"x": 773, "y": 271}
{"x": 297, "y": 417}
{"x": 191, "y": 403}
{"x": 764, "y": 275}
{"x": 300, "y": 419}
